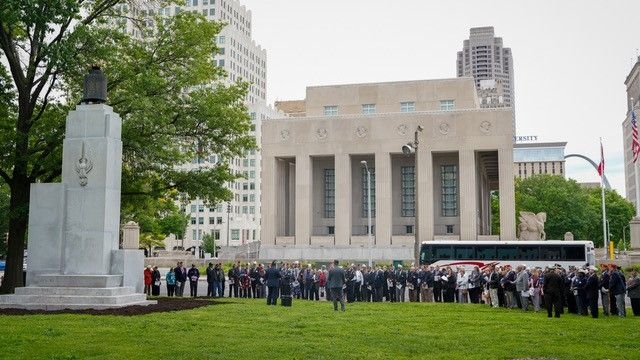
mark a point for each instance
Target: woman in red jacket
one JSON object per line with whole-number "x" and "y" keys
{"x": 147, "y": 280}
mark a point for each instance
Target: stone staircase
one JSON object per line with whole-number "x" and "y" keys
{"x": 58, "y": 292}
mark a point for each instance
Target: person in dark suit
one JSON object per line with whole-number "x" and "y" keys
{"x": 272, "y": 276}
{"x": 592, "y": 290}
{"x": 552, "y": 290}
{"x": 335, "y": 283}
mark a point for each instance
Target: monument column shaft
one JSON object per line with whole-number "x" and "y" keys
{"x": 91, "y": 174}
{"x": 304, "y": 190}
{"x": 384, "y": 208}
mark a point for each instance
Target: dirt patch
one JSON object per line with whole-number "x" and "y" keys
{"x": 164, "y": 304}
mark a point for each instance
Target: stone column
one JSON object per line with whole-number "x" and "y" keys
{"x": 131, "y": 236}
{"x": 271, "y": 205}
{"x": 467, "y": 195}
{"x": 91, "y": 172}
{"x": 424, "y": 188}
{"x": 304, "y": 191}
{"x": 343, "y": 199}
{"x": 507, "y": 195}
{"x": 384, "y": 208}
{"x": 634, "y": 234}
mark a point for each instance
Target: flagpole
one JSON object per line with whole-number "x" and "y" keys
{"x": 604, "y": 211}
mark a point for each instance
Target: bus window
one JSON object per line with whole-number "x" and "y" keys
{"x": 574, "y": 253}
{"x": 551, "y": 252}
{"x": 486, "y": 252}
{"x": 528, "y": 253}
{"x": 464, "y": 252}
{"x": 506, "y": 252}
{"x": 442, "y": 252}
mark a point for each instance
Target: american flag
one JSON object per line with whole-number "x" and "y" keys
{"x": 635, "y": 145}
{"x": 601, "y": 165}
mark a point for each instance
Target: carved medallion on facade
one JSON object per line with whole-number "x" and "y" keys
{"x": 485, "y": 127}
{"x": 361, "y": 131}
{"x": 84, "y": 165}
{"x": 284, "y": 135}
{"x": 444, "y": 128}
{"x": 402, "y": 129}
{"x": 321, "y": 133}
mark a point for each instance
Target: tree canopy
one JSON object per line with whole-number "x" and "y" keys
{"x": 572, "y": 207}
{"x": 173, "y": 101}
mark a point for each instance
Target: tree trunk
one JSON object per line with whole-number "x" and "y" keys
{"x": 18, "y": 220}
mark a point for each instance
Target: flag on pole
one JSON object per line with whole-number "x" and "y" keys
{"x": 601, "y": 165}
{"x": 635, "y": 145}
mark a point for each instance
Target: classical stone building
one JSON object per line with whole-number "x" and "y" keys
{"x": 314, "y": 183}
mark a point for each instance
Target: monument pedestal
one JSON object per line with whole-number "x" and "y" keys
{"x": 74, "y": 261}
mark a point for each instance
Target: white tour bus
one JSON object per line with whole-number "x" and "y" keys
{"x": 531, "y": 253}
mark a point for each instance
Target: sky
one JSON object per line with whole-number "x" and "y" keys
{"x": 571, "y": 58}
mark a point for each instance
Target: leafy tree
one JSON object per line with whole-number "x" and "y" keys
{"x": 149, "y": 241}
{"x": 619, "y": 212}
{"x": 47, "y": 47}
{"x": 209, "y": 244}
{"x": 571, "y": 207}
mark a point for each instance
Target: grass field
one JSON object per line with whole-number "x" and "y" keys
{"x": 249, "y": 329}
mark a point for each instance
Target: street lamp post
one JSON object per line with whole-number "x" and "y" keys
{"x": 364, "y": 163}
{"x": 228, "y": 223}
{"x": 408, "y": 149}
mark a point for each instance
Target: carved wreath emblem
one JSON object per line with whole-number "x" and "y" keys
{"x": 284, "y": 135}
{"x": 83, "y": 166}
{"x": 321, "y": 133}
{"x": 485, "y": 127}
{"x": 402, "y": 129}
{"x": 444, "y": 128}
{"x": 361, "y": 131}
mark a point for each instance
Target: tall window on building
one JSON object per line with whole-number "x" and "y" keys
{"x": 368, "y": 108}
{"x": 365, "y": 204}
{"x": 235, "y": 234}
{"x": 449, "y": 177}
{"x": 408, "y": 185}
{"x": 329, "y": 193}
{"x": 407, "y": 106}
{"x": 447, "y": 105}
{"x": 331, "y": 110}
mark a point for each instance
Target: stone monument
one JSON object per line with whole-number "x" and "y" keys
{"x": 531, "y": 226}
{"x": 74, "y": 259}
{"x": 131, "y": 236}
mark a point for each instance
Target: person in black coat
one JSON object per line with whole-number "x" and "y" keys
{"x": 592, "y": 291}
{"x": 272, "y": 278}
{"x": 211, "y": 276}
{"x": 155, "y": 278}
{"x": 193, "y": 274}
{"x": 552, "y": 290}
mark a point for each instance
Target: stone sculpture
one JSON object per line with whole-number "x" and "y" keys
{"x": 531, "y": 226}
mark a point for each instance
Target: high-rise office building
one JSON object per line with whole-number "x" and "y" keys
{"x": 237, "y": 221}
{"x": 484, "y": 57}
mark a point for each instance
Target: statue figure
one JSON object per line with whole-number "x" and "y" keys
{"x": 531, "y": 226}
{"x": 568, "y": 236}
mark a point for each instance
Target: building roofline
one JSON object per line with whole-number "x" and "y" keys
{"x": 465, "y": 78}
{"x": 539, "y": 144}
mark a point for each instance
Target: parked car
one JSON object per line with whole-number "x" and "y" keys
{"x": 3, "y": 264}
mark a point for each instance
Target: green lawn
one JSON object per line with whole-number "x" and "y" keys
{"x": 249, "y": 329}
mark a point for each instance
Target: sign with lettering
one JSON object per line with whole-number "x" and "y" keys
{"x": 523, "y": 138}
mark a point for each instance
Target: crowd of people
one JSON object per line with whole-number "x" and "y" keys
{"x": 578, "y": 290}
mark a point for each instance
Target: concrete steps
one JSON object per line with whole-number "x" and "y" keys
{"x": 76, "y": 281}
{"x": 52, "y": 298}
